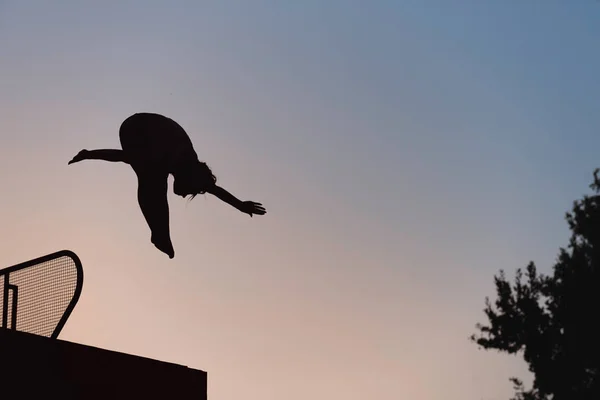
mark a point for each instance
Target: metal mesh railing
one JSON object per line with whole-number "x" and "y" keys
{"x": 38, "y": 296}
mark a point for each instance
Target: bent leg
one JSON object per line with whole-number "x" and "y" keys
{"x": 152, "y": 198}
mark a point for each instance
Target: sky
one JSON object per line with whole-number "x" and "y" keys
{"x": 406, "y": 151}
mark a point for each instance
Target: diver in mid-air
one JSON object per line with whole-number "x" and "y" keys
{"x": 156, "y": 146}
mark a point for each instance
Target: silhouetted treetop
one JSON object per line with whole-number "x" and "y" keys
{"x": 552, "y": 320}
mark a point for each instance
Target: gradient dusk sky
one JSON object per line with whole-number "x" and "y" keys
{"x": 405, "y": 151}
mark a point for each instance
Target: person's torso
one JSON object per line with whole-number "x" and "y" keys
{"x": 156, "y": 139}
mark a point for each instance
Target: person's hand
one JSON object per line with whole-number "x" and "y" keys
{"x": 82, "y": 155}
{"x": 250, "y": 208}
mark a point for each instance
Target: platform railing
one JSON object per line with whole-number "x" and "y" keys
{"x": 39, "y": 295}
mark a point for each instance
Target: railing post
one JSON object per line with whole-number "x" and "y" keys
{"x": 5, "y": 303}
{"x": 15, "y": 301}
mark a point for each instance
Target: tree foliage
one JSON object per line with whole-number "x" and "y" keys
{"x": 552, "y": 321}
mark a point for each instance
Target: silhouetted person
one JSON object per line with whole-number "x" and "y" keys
{"x": 156, "y": 146}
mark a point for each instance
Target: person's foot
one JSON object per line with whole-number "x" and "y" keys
{"x": 82, "y": 155}
{"x": 165, "y": 246}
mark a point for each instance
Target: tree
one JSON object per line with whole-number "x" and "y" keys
{"x": 552, "y": 321}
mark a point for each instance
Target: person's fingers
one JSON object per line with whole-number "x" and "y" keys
{"x": 256, "y": 208}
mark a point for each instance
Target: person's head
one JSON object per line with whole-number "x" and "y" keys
{"x": 196, "y": 179}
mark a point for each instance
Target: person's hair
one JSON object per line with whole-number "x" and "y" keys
{"x": 205, "y": 174}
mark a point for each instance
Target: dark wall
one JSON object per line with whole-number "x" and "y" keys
{"x": 34, "y": 364}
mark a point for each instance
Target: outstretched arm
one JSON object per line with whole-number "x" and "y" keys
{"x": 152, "y": 198}
{"x": 247, "y": 207}
{"x": 111, "y": 155}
